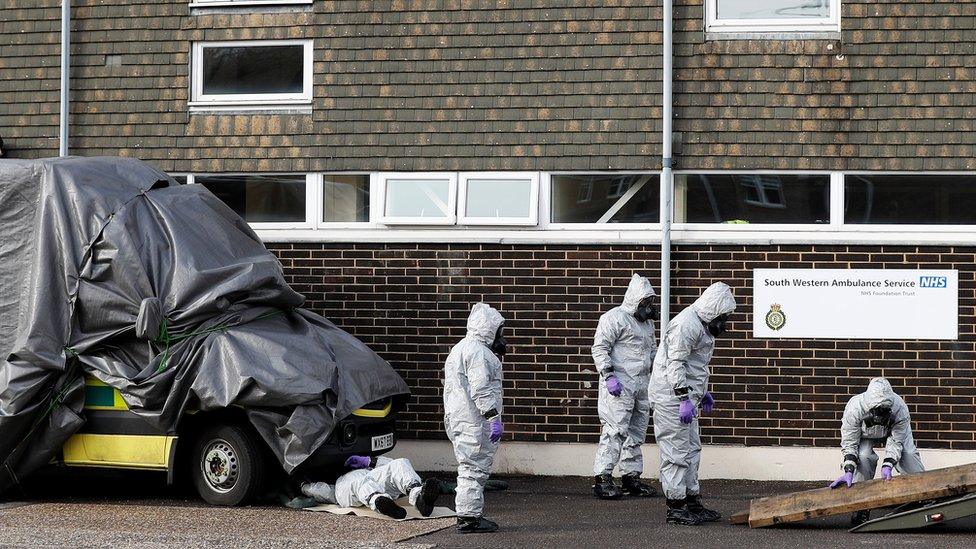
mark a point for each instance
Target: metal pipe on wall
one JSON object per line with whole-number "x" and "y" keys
{"x": 65, "y": 68}
{"x": 667, "y": 177}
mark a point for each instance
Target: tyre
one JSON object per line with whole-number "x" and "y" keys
{"x": 228, "y": 466}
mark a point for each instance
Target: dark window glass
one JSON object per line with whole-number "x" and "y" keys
{"x": 910, "y": 199}
{"x": 345, "y": 198}
{"x": 181, "y": 179}
{"x": 253, "y": 69}
{"x": 260, "y": 198}
{"x": 752, "y": 198}
{"x": 589, "y": 198}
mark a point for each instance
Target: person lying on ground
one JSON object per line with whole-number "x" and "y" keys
{"x": 376, "y": 482}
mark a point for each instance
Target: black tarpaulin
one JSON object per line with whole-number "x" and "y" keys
{"x": 84, "y": 242}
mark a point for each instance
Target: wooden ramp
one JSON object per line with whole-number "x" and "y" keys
{"x": 872, "y": 494}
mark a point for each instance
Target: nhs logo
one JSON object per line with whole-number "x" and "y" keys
{"x": 933, "y": 282}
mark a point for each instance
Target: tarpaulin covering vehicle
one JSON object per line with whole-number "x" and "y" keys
{"x": 172, "y": 309}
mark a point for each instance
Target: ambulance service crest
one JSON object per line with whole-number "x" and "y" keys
{"x": 775, "y": 318}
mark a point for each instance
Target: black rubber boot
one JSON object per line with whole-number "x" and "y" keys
{"x": 429, "y": 491}
{"x": 632, "y": 486}
{"x": 860, "y": 517}
{"x": 389, "y": 508}
{"x": 696, "y": 508}
{"x": 475, "y": 525}
{"x": 678, "y": 513}
{"x": 604, "y": 488}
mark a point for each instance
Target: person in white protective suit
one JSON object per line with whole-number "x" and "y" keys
{"x": 472, "y": 412}
{"x": 623, "y": 349}
{"x": 679, "y": 386}
{"x": 377, "y": 483}
{"x": 877, "y": 415}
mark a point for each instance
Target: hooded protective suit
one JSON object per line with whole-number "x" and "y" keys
{"x": 391, "y": 477}
{"x": 623, "y": 347}
{"x": 681, "y": 363}
{"x": 472, "y": 396}
{"x": 859, "y": 434}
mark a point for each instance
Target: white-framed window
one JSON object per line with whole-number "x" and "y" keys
{"x": 266, "y": 201}
{"x": 772, "y": 16}
{"x": 252, "y": 74}
{"x": 751, "y": 199}
{"x": 345, "y": 199}
{"x": 236, "y": 3}
{"x": 413, "y": 198}
{"x": 603, "y": 199}
{"x": 493, "y": 198}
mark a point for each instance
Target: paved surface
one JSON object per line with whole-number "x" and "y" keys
{"x": 560, "y": 512}
{"x": 121, "y": 510}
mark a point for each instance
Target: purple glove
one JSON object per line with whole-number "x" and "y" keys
{"x": 886, "y": 472}
{"x": 496, "y": 430}
{"x": 847, "y": 479}
{"x": 707, "y": 403}
{"x": 613, "y": 386}
{"x": 358, "y": 462}
{"x": 686, "y": 411}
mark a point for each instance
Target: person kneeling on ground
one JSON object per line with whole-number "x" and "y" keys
{"x": 869, "y": 418}
{"x": 375, "y": 483}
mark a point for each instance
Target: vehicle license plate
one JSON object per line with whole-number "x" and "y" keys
{"x": 383, "y": 442}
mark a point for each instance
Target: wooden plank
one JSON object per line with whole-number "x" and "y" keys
{"x": 742, "y": 517}
{"x": 824, "y": 502}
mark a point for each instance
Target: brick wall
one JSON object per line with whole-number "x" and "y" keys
{"x": 481, "y": 85}
{"x": 409, "y": 303}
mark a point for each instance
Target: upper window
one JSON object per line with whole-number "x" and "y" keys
{"x": 252, "y": 74}
{"x": 752, "y": 198}
{"x": 772, "y": 16}
{"x": 910, "y": 199}
{"x": 606, "y": 198}
{"x": 214, "y": 3}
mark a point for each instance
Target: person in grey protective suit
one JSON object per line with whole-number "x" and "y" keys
{"x": 679, "y": 386}
{"x": 623, "y": 349}
{"x": 472, "y": 411}
{"x": 376, "y": 482}
{"x": 878, "y": 414}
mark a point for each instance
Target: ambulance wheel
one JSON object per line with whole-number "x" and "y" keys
{"x": 228, "y": 465}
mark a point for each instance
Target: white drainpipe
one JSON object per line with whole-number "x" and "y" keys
{"x": 667, "y": 177}
{"x": 65, "y": 68}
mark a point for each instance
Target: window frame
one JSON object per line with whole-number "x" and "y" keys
{"x": 804, "y": 25}
{"x": 383, "y": 178}
{"x": 250, "y": 101}
{"x": 546, "y": 222}
{"x": 757, "y": 227}
{"x": 236, "y": 3}
{"x": 465, "y": 220}
{"x": 311, "y": 193}
{"x": 940, "y": 228}
{"x": 320, "y": 221}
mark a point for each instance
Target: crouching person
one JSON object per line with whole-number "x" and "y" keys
{"x": 377, "y": 483}
{"x": 876, "y": 416}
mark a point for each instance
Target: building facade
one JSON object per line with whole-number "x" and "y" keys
{"x": 405, "y": 159}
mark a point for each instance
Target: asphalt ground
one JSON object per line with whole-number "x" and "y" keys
{"x": 121, "y": 510}
{"x": 118, "y": 509}
{"x": 540, "y": 512}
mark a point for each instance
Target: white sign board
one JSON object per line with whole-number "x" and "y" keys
{"x": 855, "y": 303}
